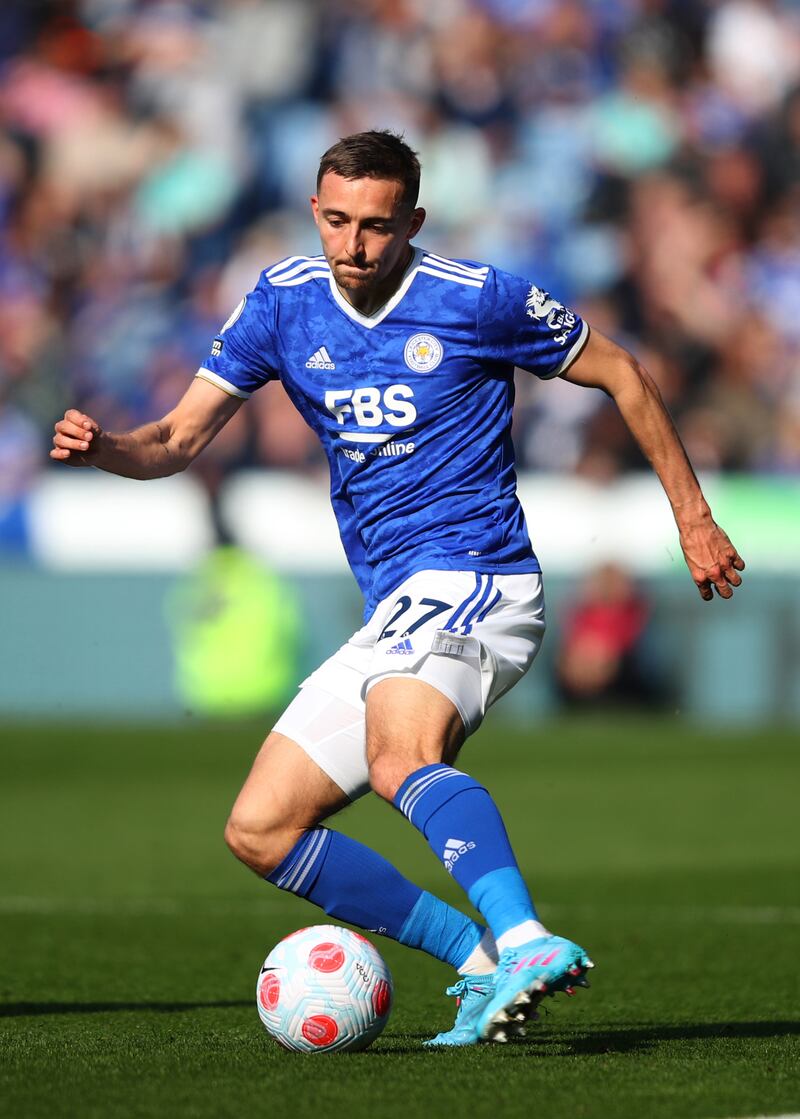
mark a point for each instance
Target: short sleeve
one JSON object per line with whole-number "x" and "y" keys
{"x": 521, "y": 324}
{"x": 244, "y": 355}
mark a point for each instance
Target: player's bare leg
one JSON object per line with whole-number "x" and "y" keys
{"x": 274, "y": 829}
{"x": 409, "y": 724}
{"x": 285, "y": 795}
{"x": 413, "y": 733}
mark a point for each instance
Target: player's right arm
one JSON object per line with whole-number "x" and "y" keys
{"x": 155, "y": 450}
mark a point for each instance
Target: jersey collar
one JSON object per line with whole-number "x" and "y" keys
{"x": 369, "y": 321}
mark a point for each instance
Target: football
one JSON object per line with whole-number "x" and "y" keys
{"x": 324, "y": 989}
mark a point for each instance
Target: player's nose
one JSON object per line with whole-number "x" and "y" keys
{"x": 354, "y": 245}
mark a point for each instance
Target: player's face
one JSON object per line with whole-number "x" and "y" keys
{"x": 365, "y": 228}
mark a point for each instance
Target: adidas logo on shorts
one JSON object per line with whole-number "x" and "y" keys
{"x": 321, "y": 360}
{"x": 453, "y": 850}
{"x": 403, "y": 646}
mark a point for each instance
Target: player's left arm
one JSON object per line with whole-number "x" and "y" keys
{"x": 710, "y": 556}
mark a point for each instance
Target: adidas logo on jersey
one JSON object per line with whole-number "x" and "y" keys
{"x": 321, "y": 360}
{"x": 403, "y": 646}
{"x": 453, "y": 850}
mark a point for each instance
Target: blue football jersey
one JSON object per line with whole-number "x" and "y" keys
{"x": 412, "y": 404}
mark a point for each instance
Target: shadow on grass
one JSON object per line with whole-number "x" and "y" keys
{"x": 602, "y": 1039}
{"x": 32, "y": 1009}
{"x": 628, "y": 1039}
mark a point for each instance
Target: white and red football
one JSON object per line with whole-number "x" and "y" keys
{"x": 324, "y": 989}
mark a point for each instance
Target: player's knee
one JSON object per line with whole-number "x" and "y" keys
{"x": 386, "y": 774}
{"x": 261, "y": 847}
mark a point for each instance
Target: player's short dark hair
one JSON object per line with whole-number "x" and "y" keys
{"x": 374, "y": 155}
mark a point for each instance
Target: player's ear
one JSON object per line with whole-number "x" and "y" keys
{"x": 315, "y": 207}
{"x": 417, "y": 220}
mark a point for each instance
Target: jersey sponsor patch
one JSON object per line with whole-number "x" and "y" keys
{"x": 367, "y": 406}
{"x": 423, "y": 352}
{"x": 541, "y": 306}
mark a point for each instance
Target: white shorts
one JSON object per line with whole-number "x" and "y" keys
{"x": 470, "y": 636}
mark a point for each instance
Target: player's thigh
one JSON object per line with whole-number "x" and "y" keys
{"x": 409, "y": 724}
{"x": 314, "y": 761}
{"x": 285, "y": 790}
{"x": 326, "y": 717}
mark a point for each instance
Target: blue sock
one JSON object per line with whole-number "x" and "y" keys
{"x": 464, "y": 829}
{"x": 355, "y": 884}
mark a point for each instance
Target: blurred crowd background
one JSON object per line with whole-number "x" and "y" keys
{"x": 639, "y": 158}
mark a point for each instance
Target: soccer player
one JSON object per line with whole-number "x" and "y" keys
{"x": 402, "y": 361}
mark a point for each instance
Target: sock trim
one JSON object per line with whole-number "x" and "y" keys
{"x": 418, "y": 787}
{"x": 301, "y": 860}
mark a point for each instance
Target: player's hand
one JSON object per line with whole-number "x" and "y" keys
{"x": 712, "y": 560}
{"x": 77, "y": 439}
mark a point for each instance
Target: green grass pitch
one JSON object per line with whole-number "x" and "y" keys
{"x": 130, "y": 939}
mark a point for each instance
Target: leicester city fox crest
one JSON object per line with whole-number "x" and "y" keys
{"x": 423, "y": 352}
{"x": 540, "y": 305}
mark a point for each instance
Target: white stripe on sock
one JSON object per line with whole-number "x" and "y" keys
{"x": 297, "y": 872}
{"x": 310, "y": 862}
{"x": 420, "y": 787}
